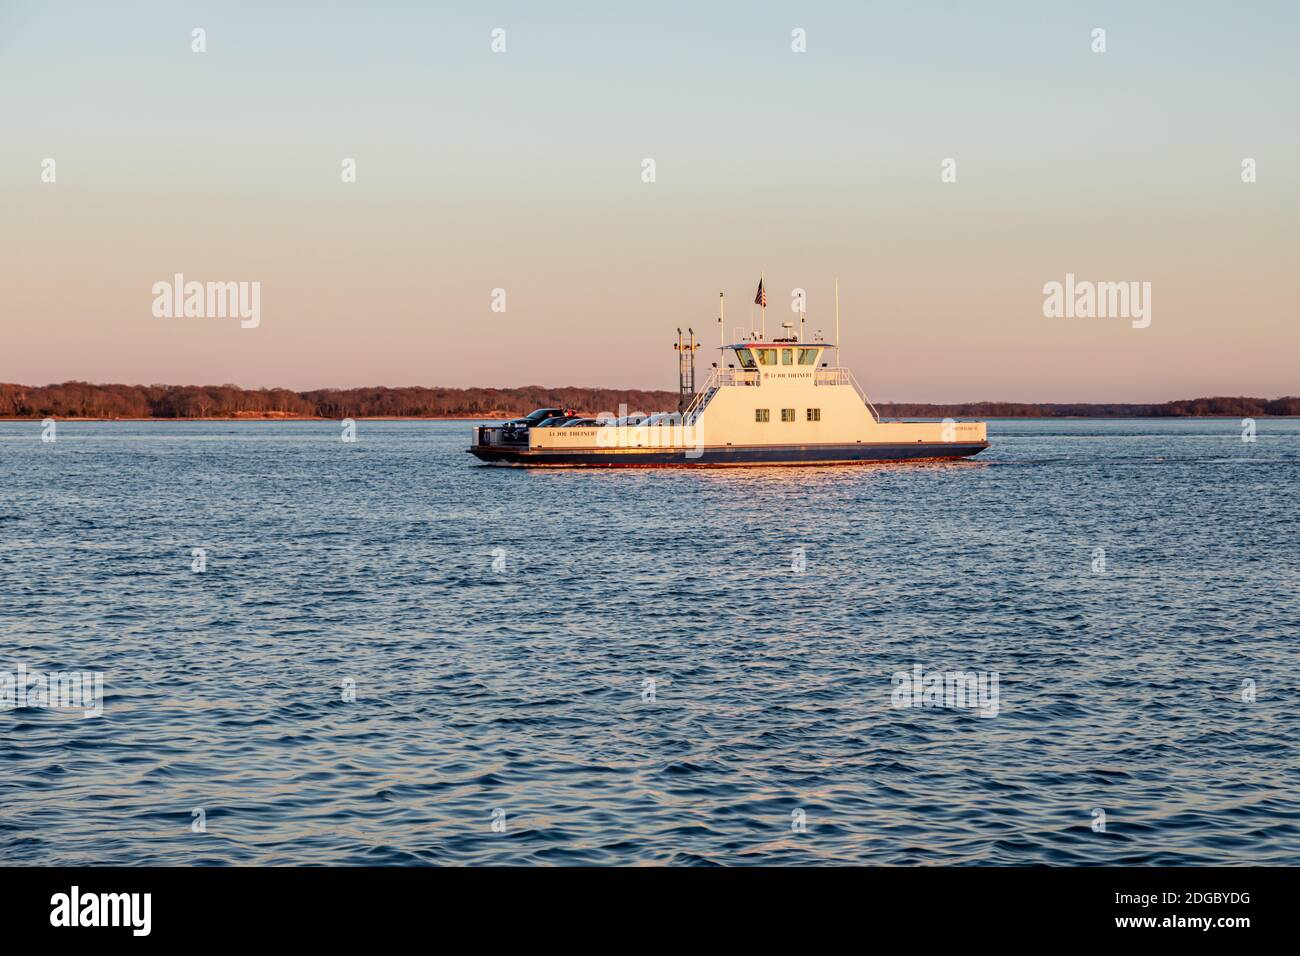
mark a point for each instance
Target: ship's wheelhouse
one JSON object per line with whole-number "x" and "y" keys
{"x": 764, "y": 355}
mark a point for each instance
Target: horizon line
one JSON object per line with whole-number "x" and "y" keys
{"x": 610, "y": 388}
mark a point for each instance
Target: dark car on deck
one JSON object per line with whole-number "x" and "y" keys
{"x": 533, "y": 418}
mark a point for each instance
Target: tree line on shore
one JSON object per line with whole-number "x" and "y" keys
{"x": 1223, "y": 406}
{"x": 85, "y": 400}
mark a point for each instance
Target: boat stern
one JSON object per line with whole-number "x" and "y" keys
{"x": 496, "y": 443}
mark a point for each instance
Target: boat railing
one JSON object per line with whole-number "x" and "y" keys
{"x": 701, "y": 398}
{"x": 718, "y": 377}
{"x": 488, "y": 435}
{"x": 833, "y": 376}
{"x": 843, "y": 376}
{"x": 736, "y": 376}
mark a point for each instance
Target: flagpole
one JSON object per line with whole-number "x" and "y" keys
{"x": 762, "y": 284}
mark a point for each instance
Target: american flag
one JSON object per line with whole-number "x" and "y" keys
{"x": 761, "y": 298}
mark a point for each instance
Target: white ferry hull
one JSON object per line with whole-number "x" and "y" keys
{"x": 729, "y": 455}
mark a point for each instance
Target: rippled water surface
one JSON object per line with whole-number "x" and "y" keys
{"x": 525, "y": 689}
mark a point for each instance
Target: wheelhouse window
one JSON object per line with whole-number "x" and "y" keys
{"x": 746, "y": 358}
{"x": 762, "y": 415}
{"x": 787, "y": 356}
{"x": 766, "y": 356}
{"x": 787, "y": 414}
{"x": 814, "y": 414}
{"x": 808, "y": 356}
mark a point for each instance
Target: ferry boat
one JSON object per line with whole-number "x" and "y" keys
{"x": 775, "y": 401}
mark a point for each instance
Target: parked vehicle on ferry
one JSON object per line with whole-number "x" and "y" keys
{"x": 532, "y": 418}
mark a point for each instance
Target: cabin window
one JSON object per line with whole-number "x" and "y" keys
{"x": 787, "y": 414}
{"x": 746, "y": 358}
{"x": 808, "y": 356}
{"x": 766, "y": 356}
{"x": 814, "y": 414}
{"x": 762, "y": 415}
{"x": 787, "y": 356}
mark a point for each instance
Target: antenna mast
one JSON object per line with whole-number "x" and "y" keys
{"x": 838, "y": 359}
{"x": 722, "y": 326}
{"x": 685, "y": 369}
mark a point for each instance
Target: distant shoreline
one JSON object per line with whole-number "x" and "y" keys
{"x": 84, "y": 401}
{"x": 254, "y": 418}
{"x": 271, "y": 419}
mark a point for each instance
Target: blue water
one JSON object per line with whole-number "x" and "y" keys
{"x": 524, "y": 689}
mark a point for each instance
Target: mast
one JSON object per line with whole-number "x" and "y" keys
{"x": 685, "y": 369}
{"x": 694, "y": 346}
{"x": 681, "y": 372}
{"x": 838, "y": 360}
{"x": 722, "y": 325}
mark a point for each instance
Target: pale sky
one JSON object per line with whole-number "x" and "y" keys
{"x": 522, "y": 170}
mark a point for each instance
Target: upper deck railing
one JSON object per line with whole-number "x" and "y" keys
{"x": 843, "y": 376}
{"x": 735, "y": 376}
